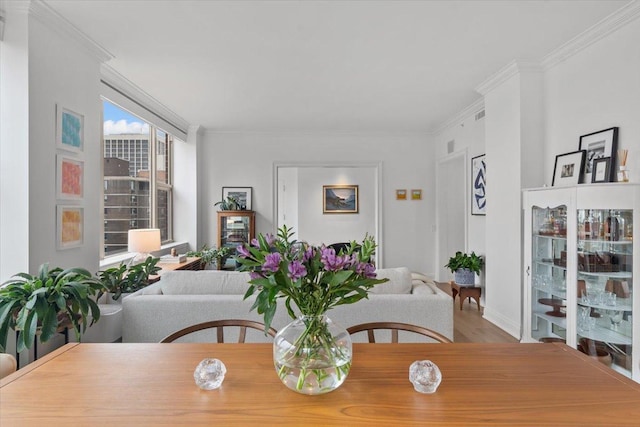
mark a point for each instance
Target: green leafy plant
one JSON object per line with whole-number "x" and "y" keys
{"x": 208, "y": 255}
{"x": 461, "y": 260}
{"x": 123, "y": 279}
{"x": 228, "y": 204}
{"x": 39, "y": 305}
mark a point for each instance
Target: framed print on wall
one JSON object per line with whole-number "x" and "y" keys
{"x": 478, "y": 185}
{"x": 567, "y": 168}
{"x": 69, "y": 226}
{"x": 242, "y": 195}
{"x": 598, "y": 145}
{"x": 401, "y": 194}
{"x": 416, "y": 194}
{"x": 69, "y": 178}
{"x": 69, "y": 130}
{"x": 601, "y": 170}
{"x": 337, "y": 199}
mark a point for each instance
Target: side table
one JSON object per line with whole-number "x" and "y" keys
{"x": 466, "y": 291}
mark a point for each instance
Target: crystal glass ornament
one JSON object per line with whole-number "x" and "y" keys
{"x": 425, "y": 376}
{"x": 209, "y": 374}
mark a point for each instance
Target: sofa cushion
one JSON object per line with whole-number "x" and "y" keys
{"x": 399, "y": 281}
{"x": 204, "y": 282}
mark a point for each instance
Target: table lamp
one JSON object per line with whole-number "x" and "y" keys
{"x": 142, "y": 241}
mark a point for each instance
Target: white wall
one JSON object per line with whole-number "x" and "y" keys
{"x": 595, "y": 89}
{"x": 468, "y": 134}
{"x": 60, "y": 73}
{"x": 316, "y": 227}
{"x": 246, "y": 159}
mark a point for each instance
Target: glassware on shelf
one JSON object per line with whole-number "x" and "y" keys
{"x": 616, "y": 317}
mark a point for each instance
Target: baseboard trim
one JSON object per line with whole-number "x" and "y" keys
{"x": 502, "y": 322}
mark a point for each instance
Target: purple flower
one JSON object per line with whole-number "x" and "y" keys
{"x": 310, "y": 253}
{"x": 366, "y": 269}
{"x": 272, "y": 262}
{"x": 270, "y": 238}
{"x": 254, "y": 242}
{"x": 333, "y": 262}
{"x": 244, "y": 252}
{"x": 255, "y": 275}
{"x": 297, "y": 270}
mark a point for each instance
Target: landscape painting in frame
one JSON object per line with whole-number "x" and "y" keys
{"x": 69, "y": 130}
{"x": 70, "y": 226}
{"x": 478, "y": 185}
{"x": 70, "y": 178}
{"x": 338, "y": 199}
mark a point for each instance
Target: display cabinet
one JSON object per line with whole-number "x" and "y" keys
{"x": 235, "y": 228}
{"x": 579, "y": 268}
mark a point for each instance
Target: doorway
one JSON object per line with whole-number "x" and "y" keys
{"x": 451, "y": 217}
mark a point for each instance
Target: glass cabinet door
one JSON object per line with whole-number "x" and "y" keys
{"x": 549, "y": 273}
{"x": 605, "y": 286}
{"x": 234, "y": 230}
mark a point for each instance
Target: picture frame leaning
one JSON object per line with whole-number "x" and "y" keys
{"x": 567, "y": 169}
{"x": 597, "y": 145}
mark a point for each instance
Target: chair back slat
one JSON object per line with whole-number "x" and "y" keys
{"x": 219, "y": 325}
{"x": 395, "y": 327}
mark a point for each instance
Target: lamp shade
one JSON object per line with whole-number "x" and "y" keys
{"x": 144, "y": 240}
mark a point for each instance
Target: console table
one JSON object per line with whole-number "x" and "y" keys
{"x": 192, "y": 263}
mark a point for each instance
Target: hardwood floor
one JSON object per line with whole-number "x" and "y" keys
{"x": 469, "y": 326}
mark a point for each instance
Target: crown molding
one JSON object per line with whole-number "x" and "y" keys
{"x": 511, "y": 69}
{"x": 52, "y": 19}
{"x": 131, "y": 90}
{"x": 608, "y": 25}
{"x": 461, "y": 116}
{"x": 316, "y": 132}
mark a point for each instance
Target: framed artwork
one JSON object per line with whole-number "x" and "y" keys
{"x": 69, "y": 130}
{"x": 242, "y": 194}
{"x": 70, "y": 226}
{"x": 567, "y": 168}
{"x": 478, "y": 185}
{"x": 599, "y": 145}
{"x": 601, "y": 170}
{"x": 401, "y": 194}
{"x": 416, "y": 194}
{"x": 338, "y": 199}
{"x": 69, "y": 178}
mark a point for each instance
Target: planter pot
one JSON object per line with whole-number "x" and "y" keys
{"x": 464, "y": 276}
{"x": 312, "y": 355}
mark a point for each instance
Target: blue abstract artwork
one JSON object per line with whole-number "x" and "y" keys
{"x": 478, "y": 185}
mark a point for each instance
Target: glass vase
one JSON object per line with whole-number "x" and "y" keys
{"x": 312, "y": 355}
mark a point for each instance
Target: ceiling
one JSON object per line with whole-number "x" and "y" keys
{"x": 345, "y": 66}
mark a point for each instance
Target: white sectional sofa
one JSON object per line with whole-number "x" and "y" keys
{"x": 183, "y": 298}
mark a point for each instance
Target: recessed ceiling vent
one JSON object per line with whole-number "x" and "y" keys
{"x": 480, "y": 115}
{"x": 451, "y": 146}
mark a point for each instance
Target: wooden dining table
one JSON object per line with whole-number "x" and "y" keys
{"x": 152, "y": 384}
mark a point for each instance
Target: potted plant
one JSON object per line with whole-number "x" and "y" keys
{"x": 43, "y": 304}
{"x": 125, "y": 280}
{"x": 228, "y": 204}
{"x": 217, "y": 258}
{"x": 464, "y": 267}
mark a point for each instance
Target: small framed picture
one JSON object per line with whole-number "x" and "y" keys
{"x": 568, "y": 168}
{"x": 401, "y": 194}
{"x": 70, "y": 226}
{"x": 338, "y": 199}
{"x": 479, "y": 185}
{"x": 601, "y": 170}
{"x": 69, "y": 178}
{"x": 416, "y": 194}
{"x": 241, "y": 194}
{"x": 69, "y": 130}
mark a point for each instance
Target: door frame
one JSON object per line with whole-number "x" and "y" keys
{"x": 441, "y": 163}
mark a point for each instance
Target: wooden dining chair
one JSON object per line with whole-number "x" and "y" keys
{"x": 219, "y": 325}
{"x": 395, "y": 327}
